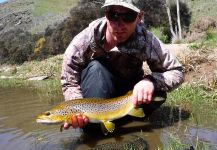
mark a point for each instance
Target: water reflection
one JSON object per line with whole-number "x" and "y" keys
{"x": 18, "y": 129}
{"x": 203, "y": 134}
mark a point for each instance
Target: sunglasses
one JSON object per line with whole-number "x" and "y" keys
{"x": 127, "y": 17}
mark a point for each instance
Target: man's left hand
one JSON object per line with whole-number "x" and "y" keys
{"x": 142, "y": 92}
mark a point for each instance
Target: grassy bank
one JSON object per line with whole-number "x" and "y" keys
{"x": 44, "y": 7}
{"x": 50, "y": 67}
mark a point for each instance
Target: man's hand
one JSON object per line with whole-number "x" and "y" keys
{"x": 78, "y": 121}
{"x": 142, "y": 92}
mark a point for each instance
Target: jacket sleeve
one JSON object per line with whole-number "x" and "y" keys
{"x": 167, "y": 72}
{"x": 71, "y": 67}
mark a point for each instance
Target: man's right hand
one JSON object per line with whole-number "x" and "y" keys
{"x": 78, "y": 121}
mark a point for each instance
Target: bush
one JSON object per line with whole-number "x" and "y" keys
{"x": 211, "y": 34}
{"x": 16, "y": 49}
{"x": 59, "y": 38}
{"x": 159, "y": 32}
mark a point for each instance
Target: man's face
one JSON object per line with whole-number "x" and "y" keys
{"x": 121, "y": 23}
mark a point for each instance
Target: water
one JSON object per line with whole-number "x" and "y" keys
{"x": 18, "y": 129}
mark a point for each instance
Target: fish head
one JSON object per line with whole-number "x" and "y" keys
{"x": 52, "y": 117}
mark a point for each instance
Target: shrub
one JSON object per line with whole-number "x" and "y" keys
{"x": 158, "y": 32}
{"x": 59, "y": 38}
{"x": 211, "y": 34}
{"x": 16, "y": 49}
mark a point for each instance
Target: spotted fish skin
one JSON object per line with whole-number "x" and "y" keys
{"x": 98, "y": 110}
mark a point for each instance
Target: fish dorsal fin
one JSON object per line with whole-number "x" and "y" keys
{"x": 107, "y": 126}
{"x": 137, "y": 112}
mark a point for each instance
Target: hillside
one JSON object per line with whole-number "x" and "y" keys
{"x": 36, "y": 15}
{"x": 202, "y": 8}
{"x": 45, "y": 27}
{"x": 33, "y": 15}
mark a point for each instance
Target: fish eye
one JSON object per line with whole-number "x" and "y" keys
{"x": 47, "y": 113}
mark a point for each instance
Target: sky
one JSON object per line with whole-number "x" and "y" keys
{"x": 2, "y": 1}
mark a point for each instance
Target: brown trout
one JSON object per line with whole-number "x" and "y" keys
{"x": 98, "y": 110}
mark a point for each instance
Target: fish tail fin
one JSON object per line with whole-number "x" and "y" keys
{"x": 107, "y": 126}
{"x": 137, "y": 112}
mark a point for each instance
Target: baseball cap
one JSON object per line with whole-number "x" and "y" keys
{"x": 131, "y": 4}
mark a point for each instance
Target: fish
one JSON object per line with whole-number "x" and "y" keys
{"x": 98, "y": 110}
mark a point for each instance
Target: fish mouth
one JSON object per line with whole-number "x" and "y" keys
{"x": 45, "y": 121}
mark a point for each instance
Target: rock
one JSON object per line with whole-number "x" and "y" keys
{"x": 1, "y": 26}
{"x": 136, "y": 143}
{"x": 6, "y": 77}
{"x": 38, "y": 78}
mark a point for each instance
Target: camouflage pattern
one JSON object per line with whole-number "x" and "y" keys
{"x": 125, "y": 60}
{"x": 131, "y": 4}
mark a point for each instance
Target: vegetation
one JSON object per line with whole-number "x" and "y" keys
{"x": 201, "y": 9}
{"x": 159, "y": 32}
{"x": 43, "y": 7}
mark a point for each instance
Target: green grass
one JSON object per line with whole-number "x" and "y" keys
{"x": 159, "y": 33}
{"x": 10, "y": 83}
{"x": 194, "y": 97}
{"x": 55, "y": 7}
{"x": 50, "y": 67}
{"x": 186, "y": 94}
{"x": 202, "y": 8}
{"x": 174, "y": 143}
{"x": 207, "y": 42}
{"x": 50, "y": 89}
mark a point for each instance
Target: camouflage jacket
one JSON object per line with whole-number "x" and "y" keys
{"x": 126, "y": 59}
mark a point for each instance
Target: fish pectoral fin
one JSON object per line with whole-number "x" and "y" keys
{"x": 107, "y": 126}
{"x": 137, "y": 112}
{"x": 104, "y": 130}
{"x": 61, "y": 127}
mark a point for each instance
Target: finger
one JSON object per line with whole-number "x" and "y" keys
{"x": 145, "y": 97}
{"x": 149, "y": 98}
{"x": 86, "y": 120}
{"x": 74, "y": 122}
{"x": 135, "y": 97}
{"x": 140, "y": 97}
{"x": 80, "y": 120}
{"x": 66, "y": 126}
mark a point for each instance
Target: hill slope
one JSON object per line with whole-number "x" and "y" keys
{"x": 33, "y": 15}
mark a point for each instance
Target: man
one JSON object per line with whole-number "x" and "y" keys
{"x": 105, "y": 60}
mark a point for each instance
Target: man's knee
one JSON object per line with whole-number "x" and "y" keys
{"x": 95, "y": 70}
{"x": 95, "y": 66}
{"x": 97, "y": 81}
